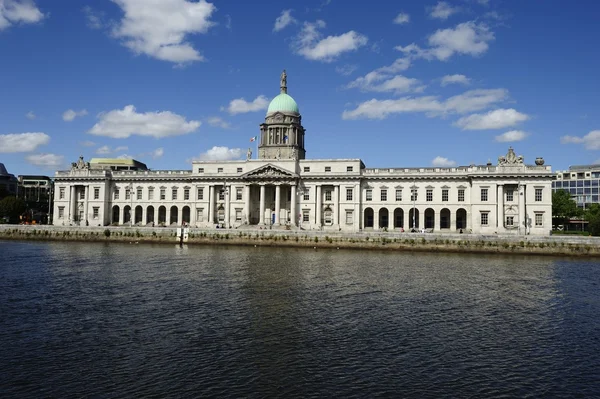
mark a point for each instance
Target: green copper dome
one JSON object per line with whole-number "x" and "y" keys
{"x": 283, "y": 103}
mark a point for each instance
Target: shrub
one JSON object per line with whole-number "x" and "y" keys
{"x": 106, "y": 233}
{"x": 316, "y": 239}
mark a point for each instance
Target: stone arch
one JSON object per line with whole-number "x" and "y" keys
{"x": 327, "y": 216}
{"x": 461, "y": 219}
{"x": 384, "y": 218}
{"x": 185, "y": 214}
{"x": 398, "y": 218}
{"x": 150, "y": 214}
{"x": 116, "y": 213}
{"x": 173, "y": 214}
{"x": 126, "y": 214}
{"x": 413, "y": 218}
{"x": 368, "y": 218}
{"x": 445, "y": 221}
{"x": 162, "y": 214}
{"x": 429, "y": 218}
{"x": 139, "y": 213}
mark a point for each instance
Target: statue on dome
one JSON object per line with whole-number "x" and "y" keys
{"x": 283, "y": 82}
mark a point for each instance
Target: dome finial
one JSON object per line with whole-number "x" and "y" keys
{"x": 283, "y": 82}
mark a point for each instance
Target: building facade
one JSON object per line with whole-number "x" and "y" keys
{"x": 280, "y": 188}
{"x": 581, "y": 181}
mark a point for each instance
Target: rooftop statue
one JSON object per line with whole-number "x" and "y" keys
{"x": 511, "y": 158}
{"x": 80, "y": 164}
{"x": 283, "y": 82}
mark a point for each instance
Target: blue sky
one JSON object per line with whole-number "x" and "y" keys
{"x": 395, "y": 83}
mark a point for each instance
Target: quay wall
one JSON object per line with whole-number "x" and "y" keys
{"x": 424, "y": 242}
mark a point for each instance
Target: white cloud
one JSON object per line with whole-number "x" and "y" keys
{"x": 125, "y": 156}
{"x": 379, "y": 82}
{"x": 311, "y": 44}
{"x": 215, "y": 121}
{"x": 158, "y": 28}
{"x": 93, "y": 17}
{"x": 219, "y": 154}
{"x": 122, "y": 123}
{"x": 472, "y": 100}
{"x": 241, "y": 106}
{"x": 106, "y": 150}
{"x": 30, "y": 115}
{"x": 442, "y": 10}
{"x": 346, "y": 70}
{"x": 442, "y": 162}
{"x": 402, "y": 18}
{"x": 497, "y": 119}
{"x": 452, "y": 79}
{"x": 284, "y": 20}
{"x": 19, "y": 12}
{"x": 591, "y": 141}
{"x": 87, "y": 143}
{"x": 511, "y": 136}
{"x": 46, "y": 160}
{"x": 69, "y": 115}
{"x": 158, "y": 153}
{"x": 22, "y": 142}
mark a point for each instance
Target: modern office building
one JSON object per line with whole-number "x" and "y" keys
{"x": 281, "y": 188}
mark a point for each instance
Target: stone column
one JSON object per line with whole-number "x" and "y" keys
{"x": 293, "y": 205}
{"x": 437, "y": 223}
{"x": 277, "y": 204}
{"x": 86, "y": 194}
{"x": 319, "y": 209}
{"x": 144, "y": 215}
{"x": 247, "y": 202}
{"x": 180, "y": 215}
{"x": 261, "y": 221}
{"x": 336, "y": 205}
{"x": 375, "y": 219}
{"x": 500, "y": 212}
{"x": 211, "y": 205}
{"x": 72, "y": 203}
{"x": 522, "y": 215}
{"x": 228, "y": 195}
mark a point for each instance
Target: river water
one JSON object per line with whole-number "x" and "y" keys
{"x": 124, "y": 320}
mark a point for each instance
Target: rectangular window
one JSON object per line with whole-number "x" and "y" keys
{"x": 538, "y": 194}
{"x": 429, "y": 195}
{"x": 200, "y": 170}
{"x": 116, "y": 194}
{"x": 383, "y": 195}
{"x": 369, "y": 195}
{"x": 348, "y": 168}
{"x": 238, "y": 215}
{"x": 95, "y": 212}
{"x": 82, "y": 195}
{"x": 150, "y": 194}
{"x": 484, "y": 194}
{"x": 127, "y": 194}
{"x": 306, "y": 215}
{"x": 461, "y": 195}
{"x": 61, "y": 193}
{"x": 328, "y": 195}
{"x": 200, "y": 214}
{"x": 348, "y": 194}
{"x": 96, "y": 193}
{"x": 307, "y": 169}
{"x": 239, "y": 170}
{"x": 484, "y": 218}
{"x": 200, "y": 193}
{"x": 306, "y": 196}
{"x": 238, "y": 194}
{"x": 510, "y": 221}
{"x": 139, "y": 193}
{"x": 222, "y": 194}
{"x": 445, "y": 195}
{"x": 61, "y": 212}
{"x": 539, "y": 219}
{"x": 219, "y": 170}
{"x": 398, "y": 195}
{"x": 327, "y": 168}
{"x": 414, "y": 194}
{"x": 509, "y": 196}
{"x": 349, "y": 217}
{"x": 186, "y": 194}
{"x": 163, "y": 194}
{"x": 174, "y": 194}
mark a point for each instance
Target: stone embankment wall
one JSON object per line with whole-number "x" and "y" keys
{"x": 426, "y": 242}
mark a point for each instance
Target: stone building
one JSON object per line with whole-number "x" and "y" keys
{"x": 280, "y": 188}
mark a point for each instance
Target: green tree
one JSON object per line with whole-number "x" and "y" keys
{"x": 12, "y": 207}
{"x": 563, "y": 207}
{"x": 592, "y": 215}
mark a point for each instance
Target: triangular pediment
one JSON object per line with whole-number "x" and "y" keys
{"x": 269, "y": 171}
